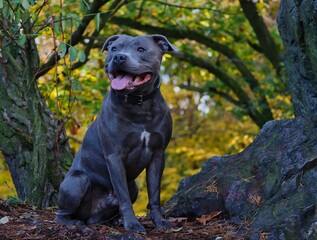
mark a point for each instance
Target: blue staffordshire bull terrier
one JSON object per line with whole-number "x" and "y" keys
{"x": 130, "y": 134}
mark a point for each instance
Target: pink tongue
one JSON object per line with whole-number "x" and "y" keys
{"x": 121, "y": 82}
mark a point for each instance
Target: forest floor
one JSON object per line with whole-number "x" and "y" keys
{"x": 22, "y": 221}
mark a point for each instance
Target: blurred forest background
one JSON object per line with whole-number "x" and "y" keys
{"x": 225, "y": 82}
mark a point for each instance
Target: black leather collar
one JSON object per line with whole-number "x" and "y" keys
{"x": 140, "y": 98}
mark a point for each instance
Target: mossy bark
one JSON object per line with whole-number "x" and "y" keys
{"x": 32, "y": 140}
{"x": 297, "y": 24}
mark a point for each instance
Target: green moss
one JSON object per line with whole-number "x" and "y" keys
{"x": 271, "y": 180}
{"x": 244, "y": 171}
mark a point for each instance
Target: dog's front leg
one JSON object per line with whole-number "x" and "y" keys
{"x": 154, "y": 173}
{"x": 118, "y": 178}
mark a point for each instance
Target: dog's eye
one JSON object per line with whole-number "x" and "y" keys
{"x": 113, "y": 49}
{"x": 141, "y": 49}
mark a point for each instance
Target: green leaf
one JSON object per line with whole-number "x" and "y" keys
{"x": 62, "y": 49}
{"x": 81, "y": 56}
{"x": 86, "y": 4}
{"x": 1, "y": 4}
{"x": 75, "y": 17}
{"x": 25, "y": 4}
{"x": 73, "y": 52}
{"x": 131, "y": 7}
{"x": 22, "y": 40}
{"x": 97, "y": 21}
{"x": 76, "y": 85}
{"x": 57, "y": 25}
{"x": 7, "y": 12}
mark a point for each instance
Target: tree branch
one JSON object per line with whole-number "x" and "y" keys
{"x": 268, "y": 46}
{"x": 198, "y": 37}
{"x": 75, "y": 38}
{"x": 259, "y": 110}
{"x": 213, "y": 90}
{"x": 104, "y": 19}
{"x": 258, "y": 116}
{"x": 165, "y": 3}
{"x": 224, "y": 77}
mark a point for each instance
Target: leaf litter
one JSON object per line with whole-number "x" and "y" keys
{"x": 22, "y": 221}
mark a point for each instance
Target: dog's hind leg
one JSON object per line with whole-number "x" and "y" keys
{"x": 106, "y": 208}
{"x": 74, "y": 190}
{"x": 113, "y": 211}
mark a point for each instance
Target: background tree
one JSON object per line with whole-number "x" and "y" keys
{"x": 225, "y": 72}
{"x": 32, "y": 139}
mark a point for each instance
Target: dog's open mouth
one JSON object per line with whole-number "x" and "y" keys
{"x": 123, "y": 80}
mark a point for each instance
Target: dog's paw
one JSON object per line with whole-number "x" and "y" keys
{"x": 68, "y": 221}
{"x": 135, "y": 226}
{"x": 162, "y": 223}
{"x": 158, "y": 219}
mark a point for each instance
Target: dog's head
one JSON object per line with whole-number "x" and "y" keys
{"x": 133, "y": 63}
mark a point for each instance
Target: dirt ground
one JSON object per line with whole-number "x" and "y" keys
{"x": 22, "y": 221}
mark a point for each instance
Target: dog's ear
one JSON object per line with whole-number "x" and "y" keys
{"x": 109, "y": 41}
{"x": 163, "y": 43}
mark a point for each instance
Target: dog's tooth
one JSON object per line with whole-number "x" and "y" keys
{"x": 110, "y": 75}
{"x": 137, "y": 79}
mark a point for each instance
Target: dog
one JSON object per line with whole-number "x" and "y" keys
{"x": 129, "y": 135}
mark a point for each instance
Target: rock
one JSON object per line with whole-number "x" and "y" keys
{"x": 272, "y": 183}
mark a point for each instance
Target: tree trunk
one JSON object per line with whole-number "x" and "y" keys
{"x": 32, "y": 140}
{"x": 297, "y": 25}
{"x": 273, "y": 182}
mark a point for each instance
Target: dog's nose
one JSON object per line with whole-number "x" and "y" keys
{"x": 119, "y": 58}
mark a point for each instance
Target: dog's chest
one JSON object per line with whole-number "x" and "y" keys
{"x": 139, "y": 147}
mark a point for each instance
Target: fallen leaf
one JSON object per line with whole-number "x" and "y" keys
{"x": 255, "y": 199}
{"x": 205, "y": 218}
{"x": 213, "y": 187}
